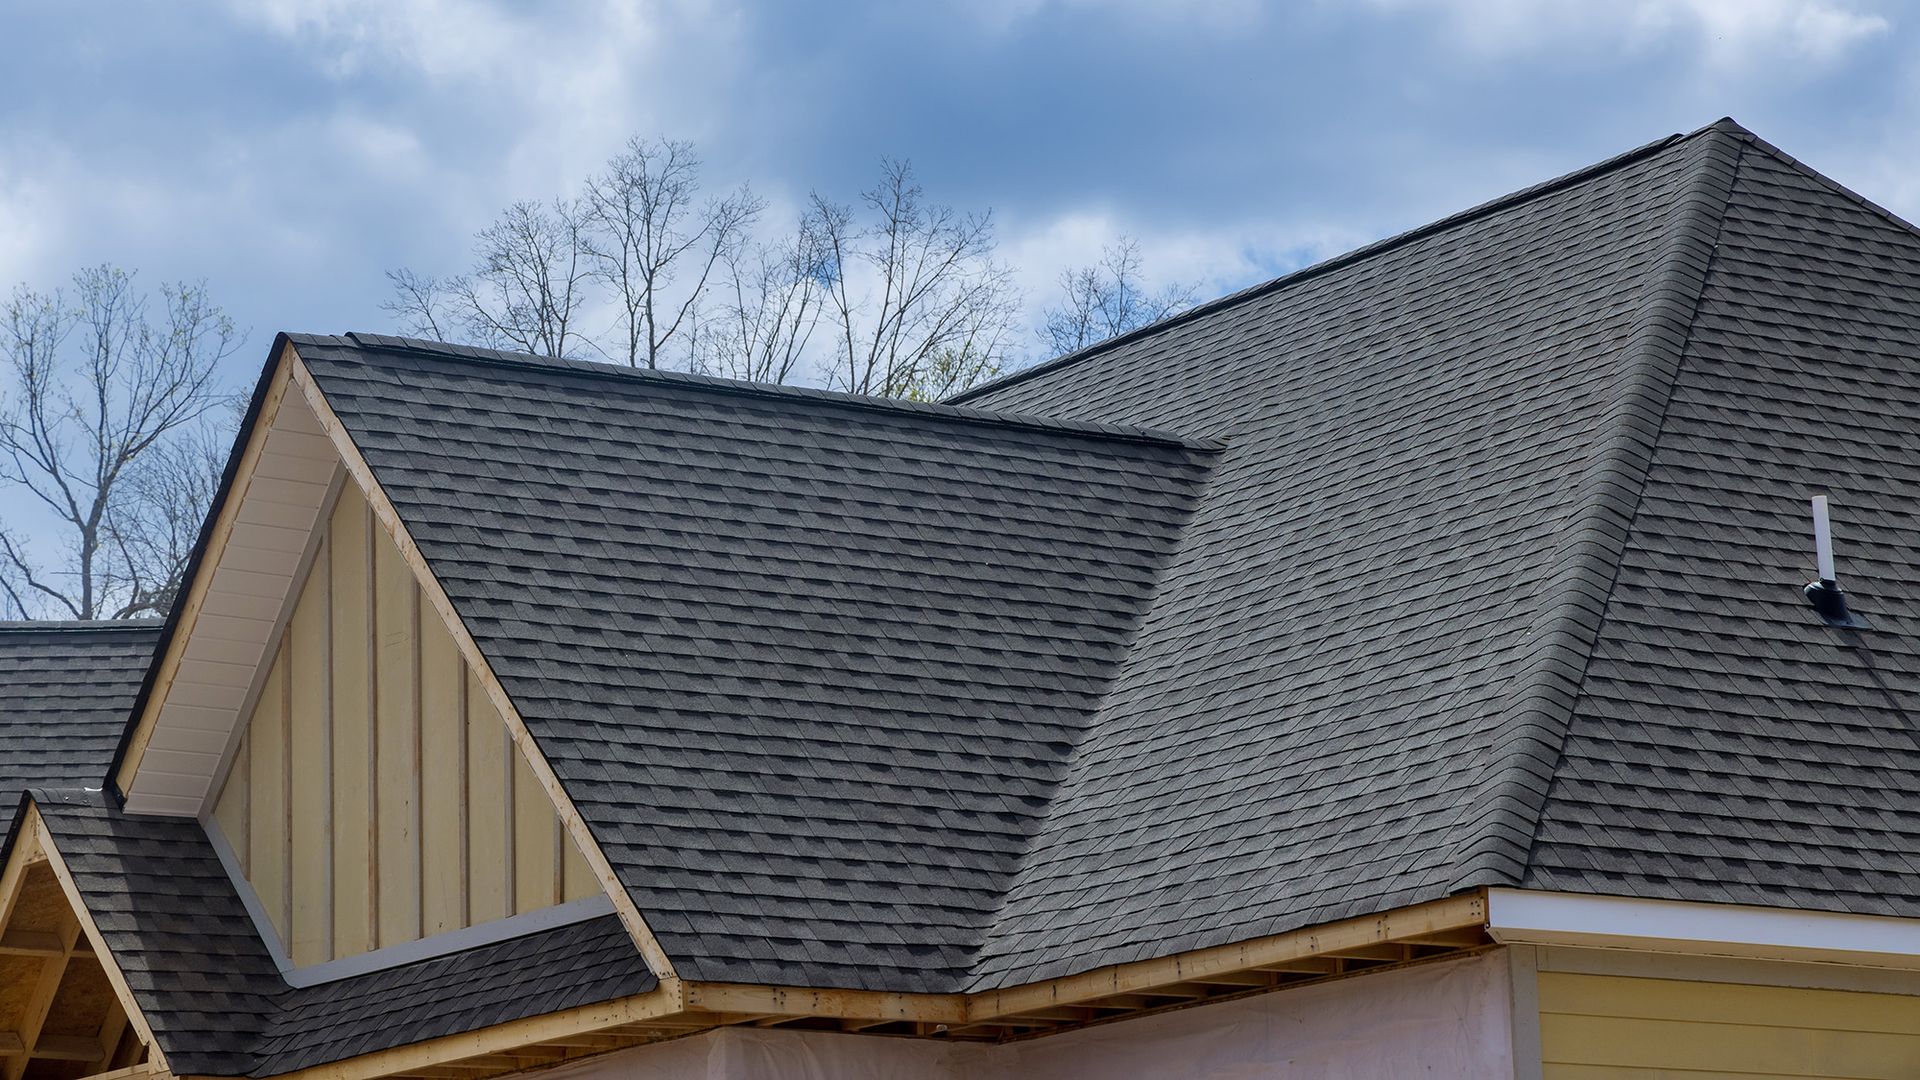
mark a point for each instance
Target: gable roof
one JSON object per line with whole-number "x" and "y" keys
{"x": 808, "y": 666}
{"x": 64, "y": 692}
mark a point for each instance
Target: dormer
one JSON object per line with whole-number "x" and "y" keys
{"x": 351, "y": 762}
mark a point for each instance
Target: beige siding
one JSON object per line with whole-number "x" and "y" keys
{"x": 443, "y": 782}
{"x": 397, "y": 768}
{"x": 1595, "y": 1026}
{"x": 377, "y": 796}
{"x": 310, "y": 861}
{"x": 490, "y": 810}
{"x": 350, "y": 562}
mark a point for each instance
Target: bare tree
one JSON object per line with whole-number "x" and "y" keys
{"x": 917, "y": 300}
{"x": 647, "y": 232}
{"x": 101, "y": 446}
{"x": 526, "y": 290}
{"x": 892, "y": 296}
{"x": 1107, "y": 299}
{"x": 773, "y": 299}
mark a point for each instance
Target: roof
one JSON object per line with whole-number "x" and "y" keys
{"x": 205, "y": 982}
{"x": 1498, "y": 583}
{"x": 64, "y": 692}
{"x": 809, "y": 666}
{"x": 1471, "y": 558}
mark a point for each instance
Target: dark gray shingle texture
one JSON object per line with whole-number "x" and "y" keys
{"x": 65, "y": 690}
{"x": 175, "y": 926}
{"x": 1531, "y": 478}
{"x": 1726, "y": 745}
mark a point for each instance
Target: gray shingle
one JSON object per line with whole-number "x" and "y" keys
{"x": 176, "y": 927}
{"x": 65, "y": 690}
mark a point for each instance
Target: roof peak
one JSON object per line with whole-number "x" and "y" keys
{"x": 1726, "y": 125}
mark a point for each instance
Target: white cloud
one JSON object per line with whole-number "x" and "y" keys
{"x": 1729, "y": 33}
{"x": 1211, "y": 16}
{"x": 1215, "y": 260}
{"x": 555, "y": 92}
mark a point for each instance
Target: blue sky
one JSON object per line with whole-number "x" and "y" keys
{"x": 291, "y": 153}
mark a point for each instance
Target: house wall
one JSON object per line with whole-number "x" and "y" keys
{"x": 1627, "y": 1015}
{"x": 375, "y": 796}
{"x": 1441, "y": 1020}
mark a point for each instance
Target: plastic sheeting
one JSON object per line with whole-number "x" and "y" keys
{"x": 1444, "y": 1021}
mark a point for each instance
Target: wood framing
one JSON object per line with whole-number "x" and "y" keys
{"x": 1423, "y": 933}
{"x": 483, "y": 678}
{"x": 62, "y": 996}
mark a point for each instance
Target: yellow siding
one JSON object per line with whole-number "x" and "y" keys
{"x": 489, "y": 809}
{"x": 265, "y": 783}
{"x": 310, "y": 865}
{"x": 1659, "y": 1029}
{"x": 231, "y": 811}
{"x": 350, "y": 563}
{"x": 579, "y": 880}
{"x": 397, "y": 753}
{"x": 536, "y": 856}
{"x": 443, "y": 781}
{"x": 377, "y": 796}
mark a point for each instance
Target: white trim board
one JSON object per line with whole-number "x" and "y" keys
{"x": 407, "y": 952}
{"x": 1521, "y": 917}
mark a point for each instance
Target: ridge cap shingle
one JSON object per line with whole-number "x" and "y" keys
{"x": 1496, "y": 832}
{"x": 1365, "y": 251}
{"x": 366, "y": 342}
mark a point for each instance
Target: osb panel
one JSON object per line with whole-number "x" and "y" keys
{"x": 18, "y": 977}
{"x": 42, "y": 906}
{"x": 82, "y": 1003}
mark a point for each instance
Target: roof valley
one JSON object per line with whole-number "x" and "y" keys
{"x": 1496, "y": 829}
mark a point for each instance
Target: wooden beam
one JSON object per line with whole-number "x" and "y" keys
{"x": 40, "y": 1002}
{"x": 84, "y": 1048}
{"x": 840, "y": 1004}
{"x": 1306, "y": 965}
{"x": 108, "y": 964}
{"x": 1391, "y": 953}
{"x": 1143, "y": 976}
{"x": 29, "y": 943}
{"x": 196, "y": 596}
{"x": 11, "y": 1044}
{"x": 432, "y": 591}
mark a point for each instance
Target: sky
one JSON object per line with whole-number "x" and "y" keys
{"x": 290, "y": 153}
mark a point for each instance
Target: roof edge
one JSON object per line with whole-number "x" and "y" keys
{"x": 1495, "y": 836}
{"x": 768, "y": 391}
{"x": 1325, "y": 266}
{"x": 75, "y": 625}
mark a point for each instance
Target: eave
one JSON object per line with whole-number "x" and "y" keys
{"x": 1441, "y": 929}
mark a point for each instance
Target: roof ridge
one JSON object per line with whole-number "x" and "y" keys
{"x": 1496, "y": 830}
{"x": 719, "y": 385}
{"x": 1491, "y": 206}
{"x": 42, "y": 625}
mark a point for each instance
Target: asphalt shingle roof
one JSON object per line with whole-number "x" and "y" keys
{"x": 64, "y": 693}
{"x": 1475, "y": 560}
{"x": 177, "y": 929}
